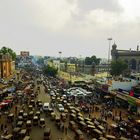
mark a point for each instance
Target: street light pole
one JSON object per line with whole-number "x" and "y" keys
{"x": 109, "y": 39}
{"x": 60, "y": 54}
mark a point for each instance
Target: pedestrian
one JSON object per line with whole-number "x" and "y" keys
{"x": 1, "y": 127}
{"x": 89, "y": 115}
{"x": 5, "y": 126}
{"x": 15, "y": 109}
{"x": 66, "y": 130}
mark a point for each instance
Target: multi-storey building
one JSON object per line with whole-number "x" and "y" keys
{"x": 131, "y": 57}
{"x": 6, "y": 65}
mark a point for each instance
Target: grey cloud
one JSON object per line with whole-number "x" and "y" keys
{"x": 107, "y": 5}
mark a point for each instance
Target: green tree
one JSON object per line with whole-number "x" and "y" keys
{"x": 40, "y": 61}
{"x": 5, "y": 50}
{"x": 118, "y": 67}
{"x": 90, "y": 60}
{"x": 50, "y": 71}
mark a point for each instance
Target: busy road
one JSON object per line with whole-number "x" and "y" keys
{"x": 73, "y": 113}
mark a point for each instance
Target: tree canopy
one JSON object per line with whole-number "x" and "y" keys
{"x": 91, "y": 60}
{"x": 50, "y": 71}
{"x": 118, "y": 67}
{"x": 5, "y": 50}
{"x": 40, "y": 61}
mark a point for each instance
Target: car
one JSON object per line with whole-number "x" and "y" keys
{"x": 60, "y": 107}
{"x": 1, "y": 80}
{"x": 46, "y": 106}
{"x": 52, "y": 93}
{"x": 5, "y": 82}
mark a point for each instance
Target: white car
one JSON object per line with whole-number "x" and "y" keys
{"x": 60, "y": 107}
{"x": 52, "y": 93}
{"x": 46, "y": 106}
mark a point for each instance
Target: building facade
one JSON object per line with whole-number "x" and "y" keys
{"x": 131, "y": 57}
{"x": 5, "y": 65}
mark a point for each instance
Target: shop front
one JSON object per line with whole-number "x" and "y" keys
{"x": 138, "y": 106}
{"x": 132, "y": 104}
{"x": 121, "y": 100}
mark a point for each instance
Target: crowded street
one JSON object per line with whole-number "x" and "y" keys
{"x": 67, "y": 114}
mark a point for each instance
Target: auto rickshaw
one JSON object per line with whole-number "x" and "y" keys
{"x": 77, "y": 110}
{"x": 31, "y": 114}
{"x": 52, "y": 99}
{"x": 79, "y": 115}
{"x": 25, "y": 116}
{"x": 73, "y": 111}
{"x": 57, "y": 121}
{"x": 35, "y": 120}
{"x": 123, "y": 138}
{"x": 27, "y": 138}
{"x": 89, "y": 129}
{"x": 28, "y": 125}
{"x": 71, "y": 108}
{"x": 72, "y": 117}
{"x": 47, "y": 134}
{"x": 42, "y": 122}
{"x": 38, "y": 101}
{"x": 89, "y": 123}
{"x": 79, "y": 135}
{"x": 72, "y": 125}
{"x": 20, "y": 118}
{"x": 101, "y": 128}
{"x": 23, "y": 133}
{"x": 10, "y": 118}
{"x": 32, "y": 102}
{"x": 110, "y": 137}
{"x": 87, "y": 119}
{"x": 50, "y": 110}
{"x": 63, "y": 117}
{"x": 40, "y": 105}
{"x": 19, "y": 124}
{"x": 30, "y": 107}
{"x": 97, "y": 133}
{"x": 8, "y": 137}
{"x": 68, "y": 105}
{"x": 53, "y": 116}
{"x": 102, "y": 138}
{"x": 38, "y": 114}
{"x": 82, "y": 125}
{"x": 15, "y": 132}
{"x": 32, "y": 96}
{"x": 80, "y": 119}
{"x": 20, "y": 113}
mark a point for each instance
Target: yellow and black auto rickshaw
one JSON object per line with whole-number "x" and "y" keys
{"x": 72, "y": 125}
{"x": 42, "y": 122}
{"x": 35, "y": 120}
{"x": 47, "y": 134}
{"x": 53, "y": 116}
{"x": 79, "y": 135}
{"x": 8, "y": 137}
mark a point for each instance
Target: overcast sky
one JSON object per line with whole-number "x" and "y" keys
{"x": 74, "y": 27}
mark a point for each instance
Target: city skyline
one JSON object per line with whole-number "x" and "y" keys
{"x": 74, "y": 27}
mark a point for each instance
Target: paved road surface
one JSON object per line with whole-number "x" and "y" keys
{"x": 37, "y": 132}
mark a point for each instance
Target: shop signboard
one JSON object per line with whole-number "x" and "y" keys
{"x": 131, "y": 100}
{"x": 121, "y": 96}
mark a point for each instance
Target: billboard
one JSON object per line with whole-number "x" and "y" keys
{"x": 24, "y": 53}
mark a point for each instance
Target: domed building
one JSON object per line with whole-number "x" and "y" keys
{"x": 131, "y": 57}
